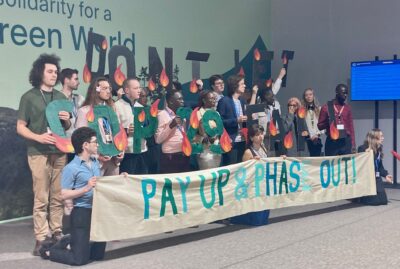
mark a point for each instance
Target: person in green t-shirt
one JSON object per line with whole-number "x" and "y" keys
{"x": 45, "y": 160}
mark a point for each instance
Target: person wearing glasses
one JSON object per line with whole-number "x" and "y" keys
{"x": 217, "y": 85}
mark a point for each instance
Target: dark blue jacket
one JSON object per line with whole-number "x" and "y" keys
{"x": 226, "y": 108}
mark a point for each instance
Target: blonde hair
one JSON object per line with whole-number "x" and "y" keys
{"x": 372, "y": 141}
{"x": 317, "y": 106}
{"x": 295, "y": 100}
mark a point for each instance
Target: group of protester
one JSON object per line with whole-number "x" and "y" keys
{"x": 56, "y": 183}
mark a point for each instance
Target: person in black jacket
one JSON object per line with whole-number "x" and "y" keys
{"x": 374, "y": 142}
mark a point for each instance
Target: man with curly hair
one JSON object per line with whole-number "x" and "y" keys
{"x": 45, "y": 160}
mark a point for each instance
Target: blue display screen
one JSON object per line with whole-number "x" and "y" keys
{"x": 375, "y": 80}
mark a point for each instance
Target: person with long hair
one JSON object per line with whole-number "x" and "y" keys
{"x": 99, "y": 93}
{"x": 255, "y": 147}
{"x": 374, "y": 141}
{"x": 313, "y": 108}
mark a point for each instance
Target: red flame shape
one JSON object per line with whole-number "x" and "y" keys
{"x": 104, "y": 44}
{"x": 186, "y": 145}
{"x": 86, "y": 75}
{"x": 151, "y": 85}
{"x": 245, "y": 133}
{"x": 119, "y": 76}
{"x": 225, "y": 142}
{"x": 63, "y": 143}
{"x": 301, "y": 112}
{"x": 121, "y": 139}
{"x": 142, "y": 116}
{"x": 333, "y": 131}
{"x": 154, "y": 108}
{"x": 257, "y": 54}
{"x": 90, "y": 115}
{"x": 288, "y": 140}
{"x": 395, "y": 154}
{"x": 284, "y": 59}
{"x": 272, "y": 128}
{"x": 193, "y": 86}
{"x": 241, "y": 71}
{"x": 268, "y": 83}
{"x": 194, "y": 119}
{"x": 164, "y": 80}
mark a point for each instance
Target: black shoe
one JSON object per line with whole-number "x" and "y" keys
{"x": 57, "y": 236}
{"x": 63, "y": 242}
{"x": 43, "y": 254}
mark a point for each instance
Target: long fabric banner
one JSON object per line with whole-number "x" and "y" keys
{"x": 134, "y": 206}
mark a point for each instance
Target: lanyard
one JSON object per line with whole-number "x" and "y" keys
{"x": 44, "y": 99}
{"x": 378, "y": 159}
{"x": 339, "y": 114}
{"x": 173, "y": 117}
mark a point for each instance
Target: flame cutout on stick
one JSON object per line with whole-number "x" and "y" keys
{"x": 151, "y": 85}
{"x": 154, "y": 108}
{"x": 268, "y": 83}
{"x": 257, "y": 54}
{"x": 301, "y": 112}
{"x": 119, "y": 76}
{"x": 193, "y": 86}
{"x": 164, "y": 80}
{"x": 86, "y": 75}
{"x": 121, "y": 139}
{"x": 288, "y": 140}
{"x": 395, "y": 154}
{"x": 90, "y": 115}
{"x": 142, "y": 116}
{"x": 272, "y": 128}
{"x": 194, "y": 119}
{"x": 186, "y": 145}
{"x": 104, "y": 44}
{"x": 241, "y": 71}
{"x": 64, "y": 144}
{"x": 284, "y": 59}
{"x": 245, "y": 133}
{"x": 333, "y": 131}
{"x": 225, "y": 142}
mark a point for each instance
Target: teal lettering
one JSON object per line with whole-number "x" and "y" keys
{"x": 241, "y": 187}
{"x": 202, "y": 194}
{"x": 222, "y": 183}
{"x": 294, "y": 164}
{"x": 325, "y": 164}
{"x": 283, "y": 179}
{"x": 147, "y": 195}
{"x": 259, "y": 176}
{"x": 353, "y": 164}
{"x": 346, "y": 159}
{"x": 167, "y": 196}
{"x": 269, "y": 176}
{"x": 335, "y": 182}
{"x": 184, "y": 186}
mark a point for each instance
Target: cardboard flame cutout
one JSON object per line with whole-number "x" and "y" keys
{"x": 142, "y": 116}
{"x": 288, "y": 140}
{"x": 194, "y": 119}
{"x": 395, "y": 154}
{"x": 104, "y": 44}
{"x": 151, "y": 85}
{"x": 121, "y": 139}
{"x": 225, "y": 142}
{"x": 186, "y": 145}
{"x": 164, "y": 80}
{"x": 268, "y": 83}
{"x": 193, "y": 86}
{"x": 257, "y": 54}
{"x": 272, "y": 128}
{"x": 63, "y": 143}
{"x": 333, "y": 131}
{"x": 90, "y": 115}
{"x": 154, "y": 108}
{"x": 86, "y": 75}
{"x": 284, "y": 59}
{"x": 301, "y": 112}
{"x": 241, "y": 71}
{"x": 119, "y": 76}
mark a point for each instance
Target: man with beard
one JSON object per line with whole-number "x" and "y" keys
{"x": 337, "y": 113}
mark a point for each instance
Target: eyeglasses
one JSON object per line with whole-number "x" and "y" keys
{"x": 95, "y": 142}
{"x": 292, "y": 105}
{"x": 219, "y": 83}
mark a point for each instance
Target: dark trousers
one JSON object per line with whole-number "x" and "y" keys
{"x": 340, "y": 146}
{"x": 134, "y": 164}
{"x": 314, "y": 147}
{"x": 235, "y": 155}
{"x": 174, "y": 163}
{"x": 152, "y": 157}
{"x": 82, "y": 251}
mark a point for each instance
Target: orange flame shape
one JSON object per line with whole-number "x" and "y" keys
{"x": 119, "y": 76}
{"x": 333, "y": 131}
{"x": 87, "y": 75}
{"x": 284, "y": 59}
{"x": 164, "y": 80}
{"x": 154, "y": 108}
{"x": 288, "y": 140}
{"x": 257, "y": 54}
{"x": 225, "y": 142}
{"x": 194, "y": 119}
{"x": 142, "y": 116}
{"x": 193, "y": 86}
{"x": 63, "y": 143}
{"x": 245, "y": 133}
{"x": 186, "y": 145}
{"x": 268, "y": 83}
{"x": 90, "y": 115}
{"x": 241, "y": 71}
{"x": 151, "y": 85}
{"x": 121, "y": 139}
{"x": 301, "y": 112}
{"x": 104, "y": 44}
{"x": 272, "y": 128}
